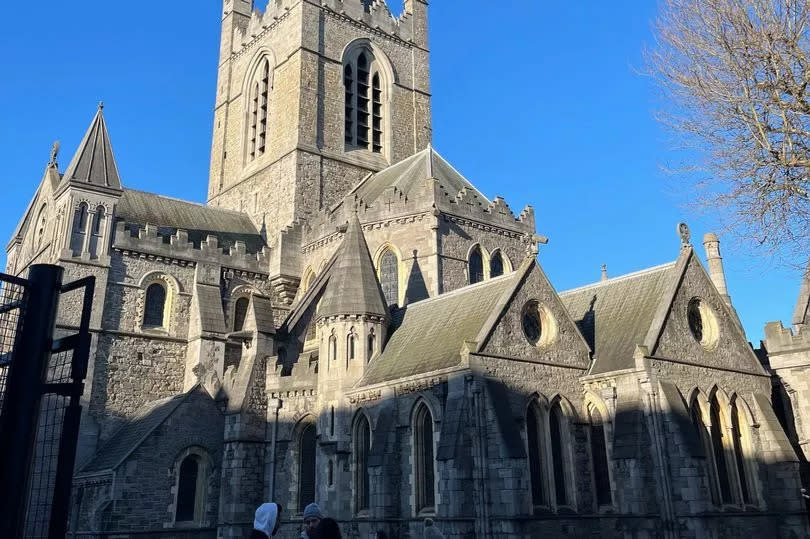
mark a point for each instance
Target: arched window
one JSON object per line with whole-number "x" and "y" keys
{"x": 363, "y": 90}
{"x": 79, "y": 230}
{"x": 259, "y": 104}
{"x": 190, "y": 484}
{"x": 372, "y": 345}
{"x": 362, "y": 447}
{"x": 389, "y": 277}
{"x": 240, "y": 313}
{"x": 719, "y": 451}
{"x": 332, "y": 348}
{"x": 496, "y": 265}
{"x": 738, "y": 423}
{"x": 351, "y": 341}
{"x": 330, "y": 473}
{"x": 706, "y": 442}
{"x": 534, "y": 439}
{"x": 154, "y": 306}
{"x": 424, "y": 476}
{"x": 96, "y": 231}
{"x": 556, "y": 423}
{"x": 306, "y": 282}
{"x": 601, "y": 474}
{"x": 331, "y": 421}
{"x": 306, "y": 466}
{"x": 476, "y": 266}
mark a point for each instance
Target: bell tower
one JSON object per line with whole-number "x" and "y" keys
{"x": 310, "y": 99}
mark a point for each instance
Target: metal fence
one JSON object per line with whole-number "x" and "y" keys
{"x": 42, "y": 382}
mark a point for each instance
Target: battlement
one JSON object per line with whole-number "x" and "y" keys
{"x": 781, "y": 340}
{"x": 374, "y": 14}
{"x": 175, "y": 245}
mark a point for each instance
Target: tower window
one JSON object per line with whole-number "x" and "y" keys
{"x": 258, "y": 107}
{"x": 371, "y": 345}
{"x": 389, "y": 277}
{"x": 350, "y": 346}
{"x": 79, "y": 230}
{"x": 306, "y": 466}
{"x": 362, "y": 447}
{"x": 363, "y": 91}
{"x": 240, "y": 313}
{"x": 155, "y": 306}
{"x": 332, "y": 348}
{"x": 424, "y": 475}
{"x": 476, "y": 266}
{"x": 96, "y": 231}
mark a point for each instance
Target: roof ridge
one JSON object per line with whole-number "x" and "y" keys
{"x": 620, "y": 278}
{"x": 189, "y": 202}
{"x": 462, "y": 176}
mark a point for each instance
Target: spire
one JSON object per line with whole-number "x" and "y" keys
{"x": 353, "y": 287}
{"x": 94, "y": 162}
{"x": 604, "y": 273}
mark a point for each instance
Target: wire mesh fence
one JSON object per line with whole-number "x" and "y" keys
{"x": 12, "y": 313}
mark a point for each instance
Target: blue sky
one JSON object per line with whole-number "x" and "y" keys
{"x": 540, "y": 102}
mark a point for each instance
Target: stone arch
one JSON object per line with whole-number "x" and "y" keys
{"x": 361, "y": 449}
{"x": 424, "y": 444}
{"x": 386, "y": 67}
{"x": 561, "y": 462}
{"x": 264, "y": 57}
{"x": 401, "y": 282}
{"x": 185, "y": 509}
{"x": 484, "y": 261}
{"x": 592, "y": 399}
{"x": 303, "y": 475}
{"x": 172, "y": 291}
{"x": 505, "y": 260}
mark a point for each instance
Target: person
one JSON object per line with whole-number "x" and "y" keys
{"x": 431, "y": 531}
{"x": 266, "y": 521}
{"x": 327, "y": 529}
{"x": 312, "y": 516}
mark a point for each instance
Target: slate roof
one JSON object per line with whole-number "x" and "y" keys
{"x": 615, "y": 315}
{"x": 353, "y": 287}
{"x": 131, "y": 435}
{"x": 411, "y": 172}
{"x": 429, "y": 334}
{"x": 94, "y": 161}
{"x": 141, "y": 208}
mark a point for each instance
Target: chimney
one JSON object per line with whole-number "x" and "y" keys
{"x": 604, "y": 272}
{"x": 712, "y": 245}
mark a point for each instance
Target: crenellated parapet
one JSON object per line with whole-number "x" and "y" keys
{"x": 151, "y": 241}
{"x": 781, "y": 340}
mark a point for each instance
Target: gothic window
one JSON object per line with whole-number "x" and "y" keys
{"x": 706, "y": 442}
{"x": 718, "y": 435}
{"x": 240, "y": 311}
{"x": 496, "y": 265}
{"x": 601, "y": 474}
{"x": 306, "y": 466}
{"x": 79, "y": 230}
{"x": 306, "y": 282}
{"x": 389, "y": 277}
{"x": 363, "y": 91}
{"x": 737, "y": 424}
{"x": 351, "y": 341}
{"x": 332, "y": 421}
{"x": 332, "y": 348}
{"x": 534, "y": 439}
{"x": 258, "y": 110}
{"x": 556, "y": 424}
{"x": 190, "y": 489}
{"x": 96, "y": 231}
{"x": 362, "y": 446}
{"x": 372, "y": 345}
{"x": 424, "y": 477}
{"x": 476, "y": 266}
{"x": 330, "y": 473}
{"x": 155, "y": 306}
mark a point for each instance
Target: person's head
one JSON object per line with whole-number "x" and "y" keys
{"x": 327, "y": 528}
{"x": 267, "y": 519}
{"x": 312, "y": 516}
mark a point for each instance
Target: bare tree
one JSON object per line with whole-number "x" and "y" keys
{"x": 736, "y": 75}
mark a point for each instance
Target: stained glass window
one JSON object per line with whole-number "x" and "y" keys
{"x": 389, "y": 277}
{"x": 476, "y": 266}
{"x": 496, "y": 265}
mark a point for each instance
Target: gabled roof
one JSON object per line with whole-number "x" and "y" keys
{"x": 94, "y": 162}
{"x": 353, "y": 287}
{"x": 138, "y": 207}
{"x": 616, "y": 315}
{"x": 127, "y": 439}
{"x": 411, "y": 172}
{"x": 429, "y": 334}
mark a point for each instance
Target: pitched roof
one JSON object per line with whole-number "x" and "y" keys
{"x": 131, "y": 435}
{"x": 138, "y": 207}
{"x": 429, "y": 334}
{"x": 353, "y": 287}
{"x": 410, "y": 172}
{"x": 615, "y": 315}
{"x": 94, "y": 161}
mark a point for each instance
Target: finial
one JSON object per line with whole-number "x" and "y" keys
{"x": 54, "y": 154}
{"x": 683, "y": 232}
{"x": 604, "y": 272}
{"x": 101, "y": 105}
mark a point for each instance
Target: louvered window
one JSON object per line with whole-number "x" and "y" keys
{"x": 258, "y": 113}
{"x": 364, "y": 99}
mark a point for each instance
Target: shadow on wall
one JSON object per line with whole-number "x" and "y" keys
{"x": 474, "y": 455}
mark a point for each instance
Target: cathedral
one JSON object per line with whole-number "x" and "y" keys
{"x": 349, "y": 321}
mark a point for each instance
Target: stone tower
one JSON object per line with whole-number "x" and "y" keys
{"x": 311, "y": 97}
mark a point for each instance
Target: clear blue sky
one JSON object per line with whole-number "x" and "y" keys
{"x": 539, "y": 102}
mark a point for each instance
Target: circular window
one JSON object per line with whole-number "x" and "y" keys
{"x": 539, "y": 325}
{"x": 702, "y": 323}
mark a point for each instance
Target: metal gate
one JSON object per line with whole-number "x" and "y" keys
{"x": 41, "y": 382}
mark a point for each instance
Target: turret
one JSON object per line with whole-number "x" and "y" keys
{"x": 712, "y": 245}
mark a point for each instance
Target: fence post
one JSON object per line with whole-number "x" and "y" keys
{"x": 19, "y": 422}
